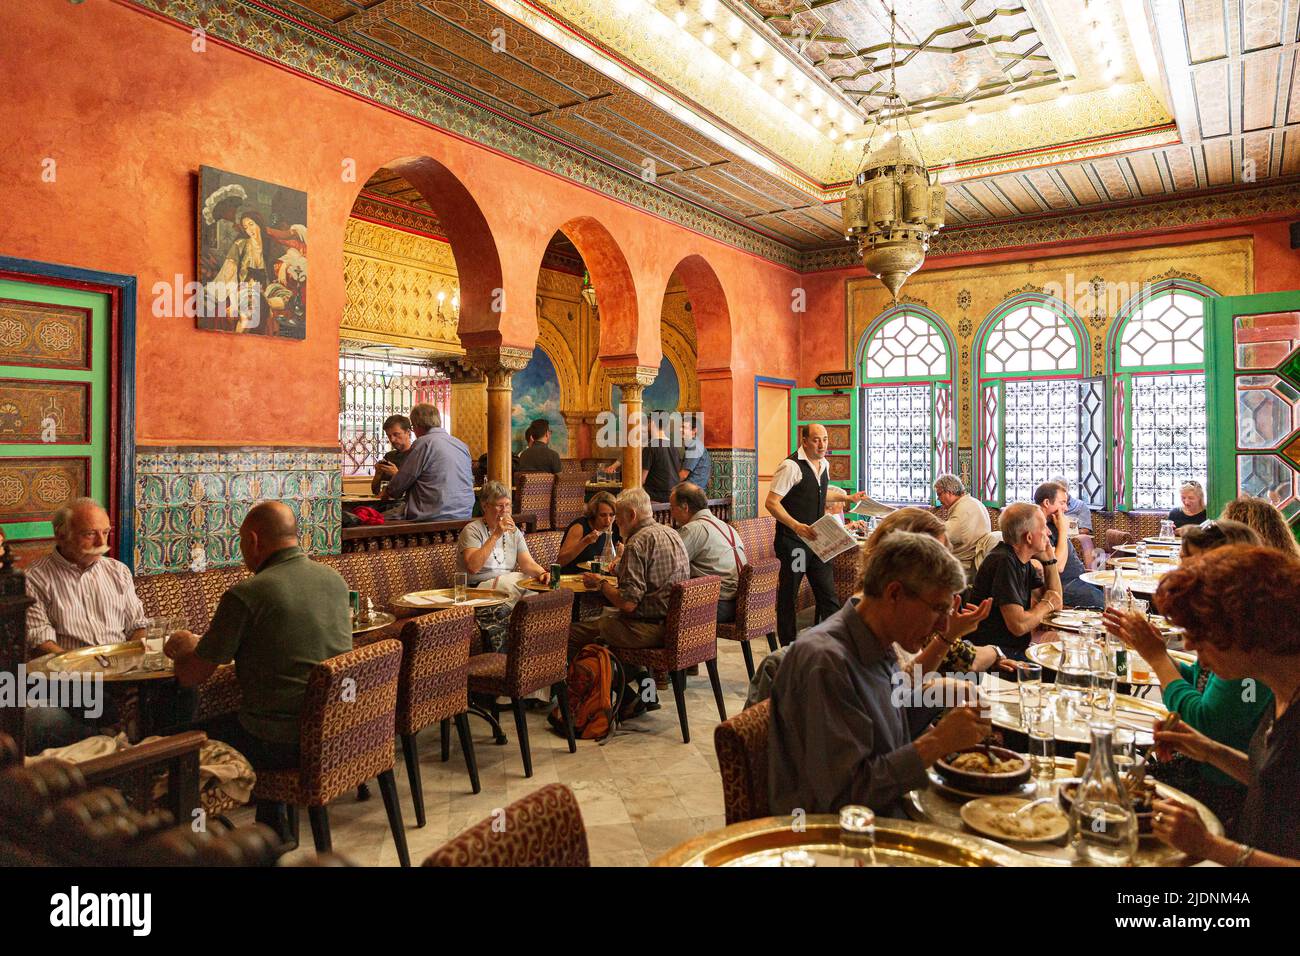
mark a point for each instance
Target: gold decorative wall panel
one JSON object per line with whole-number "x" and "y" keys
{"x": 469, "y": 415}
{"x": 48, "y": 336}
{"x": 393, "y": 279}
{"x": 1095, "y": 285}
{"x": 32, "y": 488}
{"x": 28, "y": 404}
{"x": 822, "y": 408}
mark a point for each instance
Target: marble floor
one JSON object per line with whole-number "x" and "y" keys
{"x": 642, "y": 793}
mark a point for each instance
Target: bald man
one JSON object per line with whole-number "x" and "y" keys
{"x": 289, "y": 616}
{"x": 797, "y": 497}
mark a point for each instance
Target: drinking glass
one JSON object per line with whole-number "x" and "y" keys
{"x": 155, "y": 636}
{"x": 1029, "y": 680}
{"x": 461, "y": 583}
{"x": 1123, "y": 749}
{"x": 1073, "y": 676}
{"x": 1166, "y": 528}
{"x": 1104, "y": 681}
{"x": 1040, "y": 729}
{"x": 857, "y": 836}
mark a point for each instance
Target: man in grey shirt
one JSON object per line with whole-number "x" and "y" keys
{"x": 845, "y": 729}
{"x": 437, "y": 477}
{"x": 713, "y": 546}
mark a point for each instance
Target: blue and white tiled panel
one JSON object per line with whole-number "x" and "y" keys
{"x": 190, "y": 502}
{"x": 735, "y": 473}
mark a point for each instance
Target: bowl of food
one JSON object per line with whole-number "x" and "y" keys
{"x": 1142, "y": 801}
{"x": 984, "y": 769}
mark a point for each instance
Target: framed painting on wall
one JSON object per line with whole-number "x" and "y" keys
{"x": 252, "y": 256}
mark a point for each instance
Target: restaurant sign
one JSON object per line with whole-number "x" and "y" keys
{"x": 835, "y": 380}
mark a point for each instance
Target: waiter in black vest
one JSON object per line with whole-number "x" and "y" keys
{"x": 796, "y": 498}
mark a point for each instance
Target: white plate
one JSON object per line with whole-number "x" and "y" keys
{"x": 976, "y": 815}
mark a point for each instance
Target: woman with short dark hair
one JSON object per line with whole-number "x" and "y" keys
{"x": 1240, "y": 607}
{"x": 584, "y": 538}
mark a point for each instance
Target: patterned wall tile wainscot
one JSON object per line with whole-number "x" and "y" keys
{"x": 735, "y": 473}
{"x": 190, "y": 501}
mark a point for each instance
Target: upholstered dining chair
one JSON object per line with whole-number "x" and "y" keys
{"x": 690, "y": 638}
{"x": 741, "y": 746}
{"x": 348, "y": 736}
{"x": 433, "y": 687}
{"x": 755, "y": 609}
{"x": 542, "y": 829}
{"x": 536, "y": 656}
{"x": 570, "y": 498}
{"x": 533, "y": 494}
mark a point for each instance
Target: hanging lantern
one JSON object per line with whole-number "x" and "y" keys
{"x": 588, "y": 291}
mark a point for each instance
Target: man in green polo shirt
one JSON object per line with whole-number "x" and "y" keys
{"x": 291, "y": 615}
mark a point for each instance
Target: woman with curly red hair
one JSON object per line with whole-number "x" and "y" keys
{"x": 1240, "y": 607}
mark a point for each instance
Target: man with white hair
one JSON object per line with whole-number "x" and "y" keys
{"x": 82, "y": 598}
{"x": 654, "y": 559}
{"x": 968, "y": 520}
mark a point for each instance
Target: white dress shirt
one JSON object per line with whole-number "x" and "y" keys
{"x": 81, "y": 608}
{"x": 788, "y": 473}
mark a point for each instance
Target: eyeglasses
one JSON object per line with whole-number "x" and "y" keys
{"x": 939, "y": 610}
{"x": 1212, "y": 530}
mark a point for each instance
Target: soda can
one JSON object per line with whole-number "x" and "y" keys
{"x": 555, "y": 576}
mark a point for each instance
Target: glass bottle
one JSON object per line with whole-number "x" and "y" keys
{"x": 1103, "y": 824}
{"x": 607, "y": 558}
{"x": 1117, "y": 595}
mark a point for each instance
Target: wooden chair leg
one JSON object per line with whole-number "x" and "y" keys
{"x": 678, "y": 679}
{"x": 388, "y": 787}
{"x": 445, "y": 730}
{"x": 467, "y": 748}
{"x": 320, "y": 829}
{"x": 771, "y": 641}
{"x": 521, "y": 727}
{"x": 411, "y": 753}
{"x": 562, "y": 692}
{"x": 712, "y": 665}
{"x": 749, "y": 658}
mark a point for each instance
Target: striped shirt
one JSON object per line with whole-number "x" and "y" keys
{"x": 76, "y": 608}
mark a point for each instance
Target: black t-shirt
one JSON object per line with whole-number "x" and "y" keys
{"x": 663, "y": 464}
{"x": 1270, "y": 819}
{"x": 1003, "y": 578}
{"x": 539, "y": 456}
{"x": 1180, "y": 517}
{"x": 591, "y": 551}
{"x": 1073, "y": 565}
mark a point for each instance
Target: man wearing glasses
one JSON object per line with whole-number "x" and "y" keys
{"x": 81, "y": 597}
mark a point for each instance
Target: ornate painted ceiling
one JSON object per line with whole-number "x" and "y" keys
{"x": 755, "y": 113}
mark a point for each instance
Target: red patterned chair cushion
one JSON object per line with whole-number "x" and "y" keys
{"x": 434, "y": 679}
{"x": 755, "y": 603}
{"x": 536, "y": 653}
{"x": 570, "y": 497}
{"x": 847, "y": 569}
{"x": 348, "y": 727}
{"x": 741, "y": 746}
{"x": 690, "y": 630}
{"x": 543, "y": 829}
{"x": 544, "y": 546}
{"x": 533, "y": 494}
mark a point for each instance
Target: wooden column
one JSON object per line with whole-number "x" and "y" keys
{"x": 499, "y": 363}
{"x": 632, "y": 381}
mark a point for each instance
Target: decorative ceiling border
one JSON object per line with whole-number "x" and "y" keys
{"x": 311, "y": 52}
{"x": 1224, "y": 206}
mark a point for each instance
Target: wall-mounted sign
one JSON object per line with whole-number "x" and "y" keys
{"x": 835, "y": 380}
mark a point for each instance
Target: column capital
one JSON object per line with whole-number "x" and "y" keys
{"x": 632, "y": 375}
{"x": 456, "y": 369}
{"x": 498, "y": 362}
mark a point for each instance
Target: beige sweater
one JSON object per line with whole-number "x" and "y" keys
{"x": 968, "y": 521}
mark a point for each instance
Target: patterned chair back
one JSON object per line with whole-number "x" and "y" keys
{"x": 741, "y": 746}
{"x": 847, "y": 571}
{"x": 574, "y": 464}
{"x": 543, "y": 829}
{"x": 691, "y": 628}
{"x": 570, "y": 499}
{"x": 544, "y": 546}
{"x": 755, "y": 602}
{"x": 174, "y": 595}
{"x": 434, "y": 681}
{"x": 537, "y": 648}
{"x": 348, "y": 721}
{"x": 533, "y": 494}
{"x": 759, "y": 535}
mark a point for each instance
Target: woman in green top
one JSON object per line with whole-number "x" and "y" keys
{"x": 1223, "y": 710}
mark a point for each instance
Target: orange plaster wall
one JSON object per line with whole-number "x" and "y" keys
{"x": 1277, "y": 269}
{"x": 129, "y": 112}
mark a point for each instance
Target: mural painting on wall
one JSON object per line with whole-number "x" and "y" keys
{"x": 252, "y": 256}
{"x": 661, "y": 395}
{"x": 536, "y": 392}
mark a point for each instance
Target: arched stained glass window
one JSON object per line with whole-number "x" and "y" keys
{"x": 1157, "y": 354}
{"x": 1039, "y": 416}
{"x": 908, "y": 420}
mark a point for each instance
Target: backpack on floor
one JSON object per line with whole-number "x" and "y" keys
{"x": 596, "y": 685}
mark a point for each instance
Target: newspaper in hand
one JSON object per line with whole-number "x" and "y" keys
{"x": 830, "y": 538}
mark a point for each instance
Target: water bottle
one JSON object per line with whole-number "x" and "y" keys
{"x": 1117, "y": 595}
{"x": 607, "y": 558}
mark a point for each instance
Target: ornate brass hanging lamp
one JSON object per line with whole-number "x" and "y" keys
{"x": 892, "y": 209}
{"x": 588, "y": 291}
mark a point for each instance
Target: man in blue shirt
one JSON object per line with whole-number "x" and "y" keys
{"x": 437, "y": 477}
{"x": 697, "y": 466}
{"x": 1051, "y": 497}
{"x": 1079, "y": 510}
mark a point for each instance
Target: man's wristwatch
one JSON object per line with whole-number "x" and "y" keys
{"x": 1047, "y": 564}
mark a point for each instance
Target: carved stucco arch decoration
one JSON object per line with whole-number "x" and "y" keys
{"x": 478, "y": 264}
{"x": 615, "y": 290}
{"x": 680, "y": 352}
